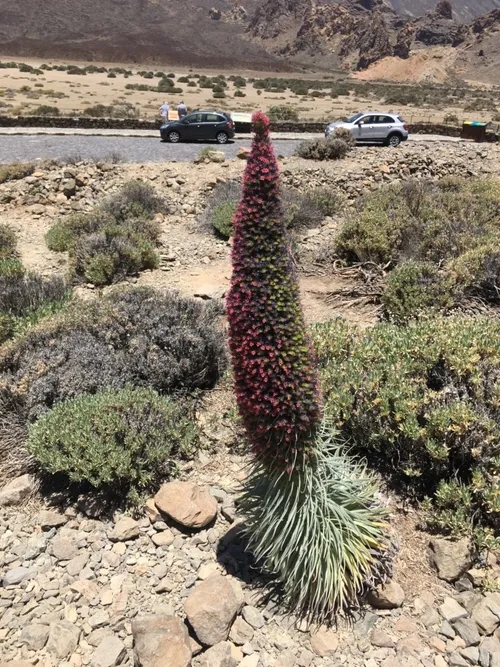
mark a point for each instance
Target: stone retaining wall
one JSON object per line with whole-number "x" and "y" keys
{"x": 85, "y": 122}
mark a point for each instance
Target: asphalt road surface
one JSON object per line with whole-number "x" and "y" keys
{"x": 18, "y": 147}
{"x": 128, "y": 149}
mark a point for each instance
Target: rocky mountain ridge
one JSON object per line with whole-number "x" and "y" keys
{"x": 357, "y": 33}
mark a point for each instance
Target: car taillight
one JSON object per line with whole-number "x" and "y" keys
{"x": 405, "y": 127}
{"x": 229, "y": 123}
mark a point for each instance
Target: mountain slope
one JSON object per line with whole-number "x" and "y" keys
{"x": 464, "y": 10}
{"x": 128, "y": 30}
{"x": 357, "y": 33}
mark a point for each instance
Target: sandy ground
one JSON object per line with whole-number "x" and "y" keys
{"x": 73, "y": 94}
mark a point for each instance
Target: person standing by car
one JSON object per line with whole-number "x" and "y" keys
{"x": 182, "y": 110}
{"x": 164, "y": 109}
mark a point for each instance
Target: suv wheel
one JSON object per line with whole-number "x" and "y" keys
{"x": 221, "y": 138}
{"x": 174, "y": 137}
{"x": 394, "y": 140}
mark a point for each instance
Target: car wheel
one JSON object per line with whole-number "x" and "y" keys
{"x": 174, "y": 137}
{"x": 394, "y": 140}
{"x": 221, "y": 138}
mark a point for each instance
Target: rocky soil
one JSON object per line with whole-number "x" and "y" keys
{"x": 172, "y": 587}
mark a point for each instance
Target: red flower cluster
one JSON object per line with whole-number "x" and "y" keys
{"x": 274, "y": 367}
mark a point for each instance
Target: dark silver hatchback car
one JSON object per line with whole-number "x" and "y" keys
{"x": 199, "y": 126}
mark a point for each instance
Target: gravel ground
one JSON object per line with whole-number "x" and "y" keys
{"x": 129, "y": 149}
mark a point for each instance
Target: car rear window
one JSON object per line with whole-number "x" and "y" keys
{"x": 213, "y": 118}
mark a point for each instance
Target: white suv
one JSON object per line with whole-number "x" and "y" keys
{"x": 374, "y": 126}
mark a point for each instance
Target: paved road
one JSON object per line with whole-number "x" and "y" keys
{"x": 14, "y": 148}
{"x": 129, "y": 149}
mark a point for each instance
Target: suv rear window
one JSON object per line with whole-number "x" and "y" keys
{"x": 213, "y": 118}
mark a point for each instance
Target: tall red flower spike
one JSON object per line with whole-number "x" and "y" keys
{"x": 274, "y": 366}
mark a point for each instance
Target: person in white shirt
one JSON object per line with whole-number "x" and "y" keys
{"x": 164, "y": 109}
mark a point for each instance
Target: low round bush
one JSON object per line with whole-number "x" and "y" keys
{"x": 283, "y": 112}
{"x": 11, "y": 268}
{"x": 138, "y": 337}
{"x": 421, "y": 403}
{"x": 7, "y": 327}
{"x": 327, "y": 201}
{"x": 478, "y": 270}
{"x": 8, "y": 243}
{"x": 301, "y": 211}
{"x": 64, "y": 235}
{"x": 134, "y": 200}
{"x": 15, "y": 171}
{"x": 117, "y": 239}
{"x": 112, "y": 254}
{"x": 46, "y": 110}
{"x": 323, "y": 149}
{"x": 415, "y": 288}
{"x": 346, "y": 136}
{"x": 124, "y": 442}
{"x": 429, "y": 221}
{"x": 222, "y": 218}
{"x": 22, "y": 292}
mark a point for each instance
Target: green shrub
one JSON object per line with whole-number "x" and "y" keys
{"x": 415, "y": 288}
{"x": 135, "y": 199}
{"x": 8, "y": 243}
{"x": 77, "y": 71}
{"x": 10, "y": 268}
{"x": 205, "y": 152}
{"x": 137, "y": 337}
{"x": 422, "y": 403}
{"x": 115, "y": 240}
{"x": 219, "y": 95}
{"x": 26, "y": 298}
{"x": 64, "y": 235}
{"x": 113, "y": 253}
{"x": 283, "y": 112}
{"x": 323, "y": 149}
{"x": 124, "y": 442}
{"x": 478, "y": 271}
{"x": 422, "y": 221}
{"x": 222, "y": 218}
{"x": 45, "y": 110}
{"x": 300, "y": 211}
{"x": 23, "y": 292}
{"x": 323, "y": 200}
{"x": 7, "y": 327}
{"x": 239, "y": 93}
{"x": 15, "y": 171}
{"x": 346, "y": 136}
